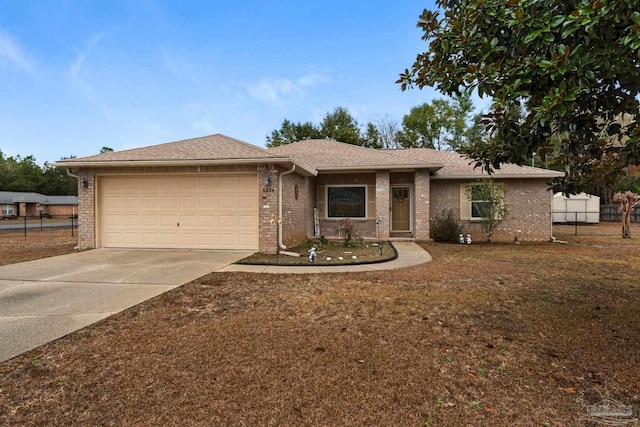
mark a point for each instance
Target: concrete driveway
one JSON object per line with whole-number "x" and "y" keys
{"x": 49, "y": 298}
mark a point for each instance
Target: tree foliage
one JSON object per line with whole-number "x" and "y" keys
{"x": 341, "y": 126}
{"x": 440, "y": 124}
{"x": 338, "y": 125}
{"x": 23, "y": 174}
{"x": 574, "y": 64}
{"x": 291, "y": 132}
{"x": 489, "y": 201}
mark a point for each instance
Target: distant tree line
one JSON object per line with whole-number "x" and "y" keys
{"x": 23, "y": 174}
{"x": 442, "y": 124}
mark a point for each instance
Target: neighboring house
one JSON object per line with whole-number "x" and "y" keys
{"x": 217, "y": 192}
{"x": 17, "y": 204}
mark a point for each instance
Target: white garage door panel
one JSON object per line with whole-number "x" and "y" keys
{"x": 198, "y": 212}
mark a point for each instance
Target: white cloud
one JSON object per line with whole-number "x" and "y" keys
{"x": 312, "y": 80}
{"x": 76, "y": 66}
{"x": 276, "y": 92}
{"x": 13, "y": 54}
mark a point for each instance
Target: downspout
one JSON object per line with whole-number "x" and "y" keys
{"x": 280, "y": 245}
{"x": 73, "y": 175}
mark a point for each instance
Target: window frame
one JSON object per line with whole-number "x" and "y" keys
{"x": 365, "y": 202}
{"x": 5, "y": 209}
{"x": 472, "y": 202}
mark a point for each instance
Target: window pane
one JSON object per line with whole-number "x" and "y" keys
{"x": 346, "y": 202}
{"x": 478, "y": 208}
{"x": 476, "y": 193}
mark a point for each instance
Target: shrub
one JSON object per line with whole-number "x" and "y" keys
{"x": 348, "y": 232}
{"x": 445, "y": 227}
{"x": 321, "y": 241}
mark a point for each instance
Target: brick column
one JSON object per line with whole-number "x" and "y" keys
{"x": 421, "y": 208}
{"x": 382, "y": 203}
{"x": 268, "y": 209}
{"x": 87, "y": 211}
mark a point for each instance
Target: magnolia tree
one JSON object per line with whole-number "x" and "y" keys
{"x": 572, "y": 64}
{"x": 628, "y": 200}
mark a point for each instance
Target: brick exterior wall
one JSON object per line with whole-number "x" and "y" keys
{"x": 87, "y": 210}
{"x": 364, "y": 229}
{"x": 62, "y": 210}
{"x": 382, "y": 203}
{"x": 422, "y": 205}
{"x": 268, "y": 209}
{"x": 28, "y": 209}
{"x": 331, "y": 228}
{"x": 298, "y": 201}
{"x": 528, "y": 201}
{"x": 401, "y": 178}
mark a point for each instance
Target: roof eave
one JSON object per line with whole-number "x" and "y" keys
{"x": 370, "y": 168}
{"x": 505, "y": 176}
{"x": 196, "y": 162}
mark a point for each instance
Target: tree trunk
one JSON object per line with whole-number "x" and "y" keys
{"x": 628, "y": 200}
{"x": 626, "y": 221}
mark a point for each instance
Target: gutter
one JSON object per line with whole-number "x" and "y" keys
{"x": 280, "y": 245}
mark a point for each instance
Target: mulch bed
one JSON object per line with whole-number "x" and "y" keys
{"x": 332, "y": 253}
{"x": 484, "y": 335}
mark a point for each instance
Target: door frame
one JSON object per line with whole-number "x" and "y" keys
{"x": 410, "y": 188}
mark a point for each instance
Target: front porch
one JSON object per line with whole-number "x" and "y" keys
{"x": 380, "y": 205}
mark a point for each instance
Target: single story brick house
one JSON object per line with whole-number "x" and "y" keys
{"x": 217, "y": 192}
{"x": 18, "y": 204}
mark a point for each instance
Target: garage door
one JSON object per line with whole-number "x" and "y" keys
{"x": 196, "y": 212}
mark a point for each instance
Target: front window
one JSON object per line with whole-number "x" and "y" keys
{"x": 478, "y": 204}
{"x": 347, "y": 202}
{"x": 7, "y": 210}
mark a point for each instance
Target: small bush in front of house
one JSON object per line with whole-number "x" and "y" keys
{"x": 445, "y": 227}
{"x": 348, "y": 235}
{"x": 321, "y": 241}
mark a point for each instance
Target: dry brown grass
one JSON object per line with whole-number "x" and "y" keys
{"x": 485, "y": 335}
{"x": 15, "y": 247}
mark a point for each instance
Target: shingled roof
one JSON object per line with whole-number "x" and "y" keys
{"x": 24, "y": 197}
{"x": 311, "y": 157}
{"x": 458, "y": 166}
{"x": 328, "y": 155}
{"x": 217, "y": 148}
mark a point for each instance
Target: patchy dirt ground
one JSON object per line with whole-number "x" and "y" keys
{"x": 15, "y": 247}
{"x": 485, "y": 335}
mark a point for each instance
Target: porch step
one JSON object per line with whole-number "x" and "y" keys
{"x": 402, "y": 237}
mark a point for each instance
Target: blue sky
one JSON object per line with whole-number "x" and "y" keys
{"x": 79, "y": 75}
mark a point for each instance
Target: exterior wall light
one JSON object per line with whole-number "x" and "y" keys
{"x": 85, "y": 183}
{"x": 267, "y": 181}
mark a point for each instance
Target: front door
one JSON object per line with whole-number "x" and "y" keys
{"x": 401, "y": 209}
